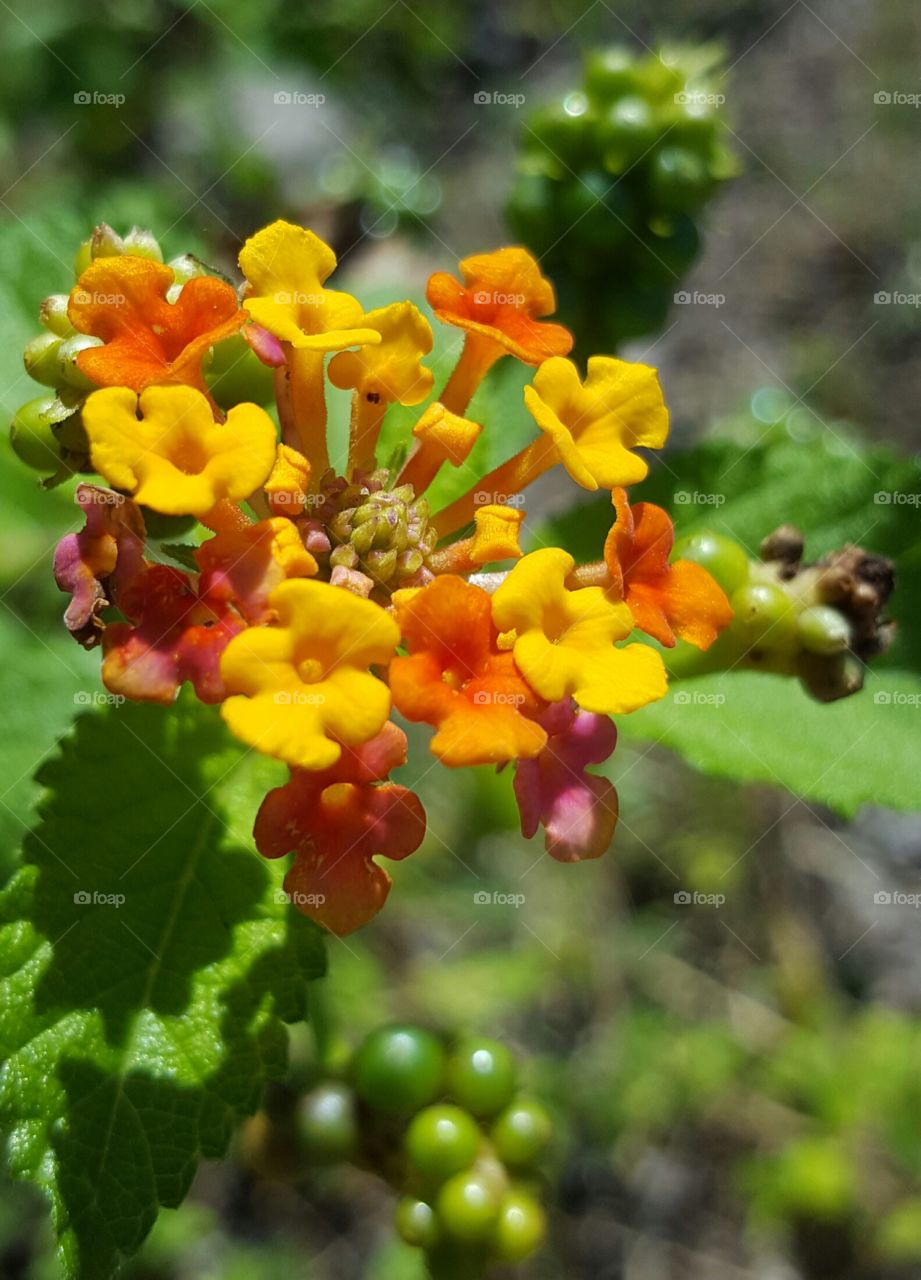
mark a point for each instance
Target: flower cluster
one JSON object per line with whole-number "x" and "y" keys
{"x": 317, "y": 603}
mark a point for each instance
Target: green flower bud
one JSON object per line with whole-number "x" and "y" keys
{"x": 32, "y": 437}
{"x": 40, "y": 358}
{"x": 824, "y": 630}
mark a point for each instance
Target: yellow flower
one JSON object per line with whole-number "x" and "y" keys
{"x": 496, "y": 534}
{"x": 286, "y": 487}
{"x": 302, "y": 687}
{"x": 391, "y": 370}
{"x": 564, "y": 640}
{"x": 175, "y": 458}
{"x": 595, "y": 425}
{"x": 442, "y": 436}
{"x": 285, "y": 266}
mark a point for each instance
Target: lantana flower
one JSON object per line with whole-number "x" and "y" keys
{"x": 302, "y": 687}
{"x": 390, "y": 372}
{"x": 666, "y": 600}
{"x": 564, "y": 641}
{"x": 175, "y": 458}
{"x": 499, "y": 306}
{"x": 243, "y": 566}
{"x": 456, "y": 678}
{"x": 577, "y": 809}
{"x": 336, "y": 821}
{"x": 94, "y": 565}
{"x": 147, "y": 339}
{"x": 286, "y": 267}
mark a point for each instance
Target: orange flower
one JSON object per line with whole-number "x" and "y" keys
{"x": 145, "y": 338}
{"x": 499, "y": 305}
{"x": 665, "y": 599}
{"x": 457, "y": 679}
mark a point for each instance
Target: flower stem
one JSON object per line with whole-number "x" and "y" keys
{"x": 301, "y": 396}
{"x": 499, "y": 485}
{"x": 364, "y": 430}
{"x": 477, "y": 358}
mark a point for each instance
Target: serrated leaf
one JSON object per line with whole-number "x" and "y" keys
{"x": 148, "y": 964}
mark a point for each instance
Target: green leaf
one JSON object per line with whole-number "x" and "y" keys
{"x": 750, "y": 726}
{"x": 764, "y": 728}
{"x": 149, "y": 960}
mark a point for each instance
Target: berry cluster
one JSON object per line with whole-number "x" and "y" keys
{"x": 445, "y": 1125}
{"x": 612, "y": 179}
{"x": 821, "y": 622}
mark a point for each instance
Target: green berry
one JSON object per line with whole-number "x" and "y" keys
{"x": 442, "y": 1140}
{"x": 83, "y": 256}
{"x": 68, "y": 370}
{"x": 468, "y": 1207}
{"x": 764, "y": 617}
{"x": 628, "y": 130}
{"x": 520, "y": 1229}
{"x": 721, "y": 557}
{"x": 31, "y": 436}
{"x": 40, "y": 358}
{"x": 678, "y": 180}
{"x": 416, "y": 1223}
{"x": 567, "y": 134}
{"x": 521, "y": 1133}
{"x": 610, "y": 73}
{"x": 481, "y": 1076}
{"x": 326, "y": 1123}
{"x": 52, "y": 315}
{"x": 822, "y": 629}
{"x": 399, "y": 1069}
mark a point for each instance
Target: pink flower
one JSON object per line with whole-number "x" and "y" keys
{"x": 578, "y": 810}
{"x": 101, "y": 560}
{"x": 337, "y": 820}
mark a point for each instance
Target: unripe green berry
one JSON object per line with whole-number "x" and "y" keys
{"x": 83, "y": 257}
{"x": 399, "y": 1069}
{"x": 31, "y": 436}
{"x": 416, "y": 1223}
{"x": 678, "y": 180}
{"x": 327, "y": 1124}
{"x": 520, "y": 1229}
{"x": 52, "y": 315}
{"x": 481, "y": 1076}
{"x": 40, "y": 358}
{"x": 521, "y": 1133}
{"x": 68, "y": 370}
{"x": 723, "y": 559}
{"x": 628, "y": 129}
{"x": 142, "y": 243}
{"x": 610, "y": 73}
{"x": 441, "y": 1141}
{"x": 763, "y": 615}
{"x": 822, "y": 629}
{"x": 468, "y": 1207}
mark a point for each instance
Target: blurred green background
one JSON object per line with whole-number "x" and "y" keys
{"x": 737, "y": 1088}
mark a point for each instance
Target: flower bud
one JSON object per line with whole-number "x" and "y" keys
{"x": 40, "y": 358}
